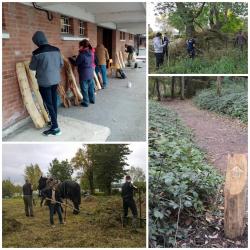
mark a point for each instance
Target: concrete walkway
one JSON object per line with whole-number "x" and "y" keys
{"x": 119, "y": 114}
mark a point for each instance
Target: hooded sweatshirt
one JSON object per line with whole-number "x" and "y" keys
{"x": 158, "y": 46}
{"x": 46, "y": 61}
{"x": 85, "y": 63}
{"x": 102, "y": 54}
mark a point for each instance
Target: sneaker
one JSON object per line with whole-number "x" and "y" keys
{"x": 84, "y": 105}
{"x": 52, "y": 132}
{"x": 92, "y": 102}
{"x": 52, "y": 225}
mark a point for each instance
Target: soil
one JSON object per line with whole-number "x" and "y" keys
{"x": 217, "y": 135}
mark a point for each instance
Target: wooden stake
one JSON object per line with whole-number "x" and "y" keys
{"x": 235, "y": 196}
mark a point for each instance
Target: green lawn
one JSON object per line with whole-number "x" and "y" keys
{"x": 98, "y": 225}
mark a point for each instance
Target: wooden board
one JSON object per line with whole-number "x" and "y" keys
{"x": 35, "y": 90}
{"x": 71, "y": 79}
{"x": 235, "y": 196}
{"x": 28, "y": 101}
{"x": 122, "y": 59}
{"x": 63, "y": 95}
{"x": 97, "y": 83}
{"x": 118, "y": 60}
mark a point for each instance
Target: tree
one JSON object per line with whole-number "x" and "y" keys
{"x": 60, "y": 170}
{"x": 109, "y": 164}
{"x": 182, "y": 82}
{"x": 187, "y": 12}
{"x": 137, "y": 174}
{"x": 33, "y": 173}
{"x": 83, "y": 161}
{"x": 8, "y": 188}
{"x": 218, "y": 86}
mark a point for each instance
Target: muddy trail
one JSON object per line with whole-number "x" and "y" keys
{"x": 215, "y": 134}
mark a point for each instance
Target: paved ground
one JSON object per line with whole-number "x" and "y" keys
{"x": 118, "y": 109}
{"x": 217, "y": 135}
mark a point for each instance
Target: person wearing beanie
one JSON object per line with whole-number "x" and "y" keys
{"x": 47, "y": 61}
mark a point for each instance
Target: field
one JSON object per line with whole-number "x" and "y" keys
{"x": 98, "y": 225}
{"x": 218, "y": 62}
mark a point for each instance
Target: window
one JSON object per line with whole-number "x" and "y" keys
{"x": 122, "y": 36}
{"x": 130, "y": 36}
{"x": 81, "y": 28}
{"x": 65, "y": 25}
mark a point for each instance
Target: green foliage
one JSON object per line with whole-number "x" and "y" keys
{"x": 33, "y": 173}
{"x": 214, "y": 62}
{"x": 9, "y": 189}
{"x": 60, "y": 170}
{"x": 233, "y": 102}
{"x": 109, "y": 163}
{"x": 179, "y": 177}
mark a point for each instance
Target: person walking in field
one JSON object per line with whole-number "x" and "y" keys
{"x": 47, "y": 62}
{"x": 128, "y": 200}
{"x": 102, "y": 56}
{"x": 191, "y": 47}
{"x": 240, "y": 40}
{"x": 28, "y": 198}
{"x": 53, "y": 200}
{"x": 159, "y": 49}
{"x": 165, "y": 40}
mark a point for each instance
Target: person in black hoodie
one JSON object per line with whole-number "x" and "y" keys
{"x": 47, "y": 62}
{"x": 128, "y": 200}
{"x": 53, "y": 200}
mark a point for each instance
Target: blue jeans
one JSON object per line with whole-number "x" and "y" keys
{"x": 103, "y": 70}
{"x": 55, "y": 208}
{"x": 88, "y": 92}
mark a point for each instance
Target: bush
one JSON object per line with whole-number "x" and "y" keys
{"x": 216, "y": 62}
{"x": 233, "y": 101}
{"x": 180, "y": 181}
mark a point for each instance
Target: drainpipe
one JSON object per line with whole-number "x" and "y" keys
{"x": 49, "y": 14}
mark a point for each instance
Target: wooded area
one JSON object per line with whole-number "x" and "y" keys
{"x": 220, "y": 32}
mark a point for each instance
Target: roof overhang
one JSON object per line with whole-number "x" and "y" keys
{"x": 125, "y": 16}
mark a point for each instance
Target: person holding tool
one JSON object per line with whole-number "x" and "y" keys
{"x": 128, "y": 200}
{"x": 54, "y": 200}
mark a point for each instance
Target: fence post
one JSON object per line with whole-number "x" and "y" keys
{"x": 235, "y": 195}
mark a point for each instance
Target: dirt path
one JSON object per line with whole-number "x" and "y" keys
{"x": 216, "y": 135}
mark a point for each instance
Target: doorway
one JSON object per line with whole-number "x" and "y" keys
{"x": 107, "y": 40}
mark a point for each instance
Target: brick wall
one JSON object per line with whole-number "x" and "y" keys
{"x": 21, "y": 21}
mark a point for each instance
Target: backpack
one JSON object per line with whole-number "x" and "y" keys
{"x": 121, "y": 73}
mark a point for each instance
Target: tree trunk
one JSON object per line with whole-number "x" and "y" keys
{"x": 158, "y": 89}
{"x": 218, "y": 86}
{"x": 172, "y": 87}
{"x": 182, "y": 81}
{"x": 235, "y": 193}
{"x": 91, "y": 183}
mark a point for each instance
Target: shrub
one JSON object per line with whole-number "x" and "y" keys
{"x": 180, "y": 181}
{"x": 233, "y": 101}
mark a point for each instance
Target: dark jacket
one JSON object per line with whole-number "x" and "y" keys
{"x": 84, "y": 62}
{"x": 128, "y": 191}
{"x": 27, "y": 189}
{"x": 129, "y": 49}
{"x": 46, "y": 61}
{"x": 48, "y": 194}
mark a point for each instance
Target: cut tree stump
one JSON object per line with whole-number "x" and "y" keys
{"x": 235, "y": 196}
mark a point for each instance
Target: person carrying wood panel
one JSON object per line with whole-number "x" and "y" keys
{"x": 47, "y": 62}
{"x": 130, "y": 50}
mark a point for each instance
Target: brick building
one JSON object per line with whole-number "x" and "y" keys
{"x": 64, "y": 24}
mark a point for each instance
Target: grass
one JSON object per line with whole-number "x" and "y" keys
{"x": 98, "y": 225}
{"x": 218, "y": 62}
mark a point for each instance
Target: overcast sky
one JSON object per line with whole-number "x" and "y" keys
{"x": 17, "y": 156}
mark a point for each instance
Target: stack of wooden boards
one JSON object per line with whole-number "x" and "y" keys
{"x": 120, "y": 63}
{"x": 32, "y": 98}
